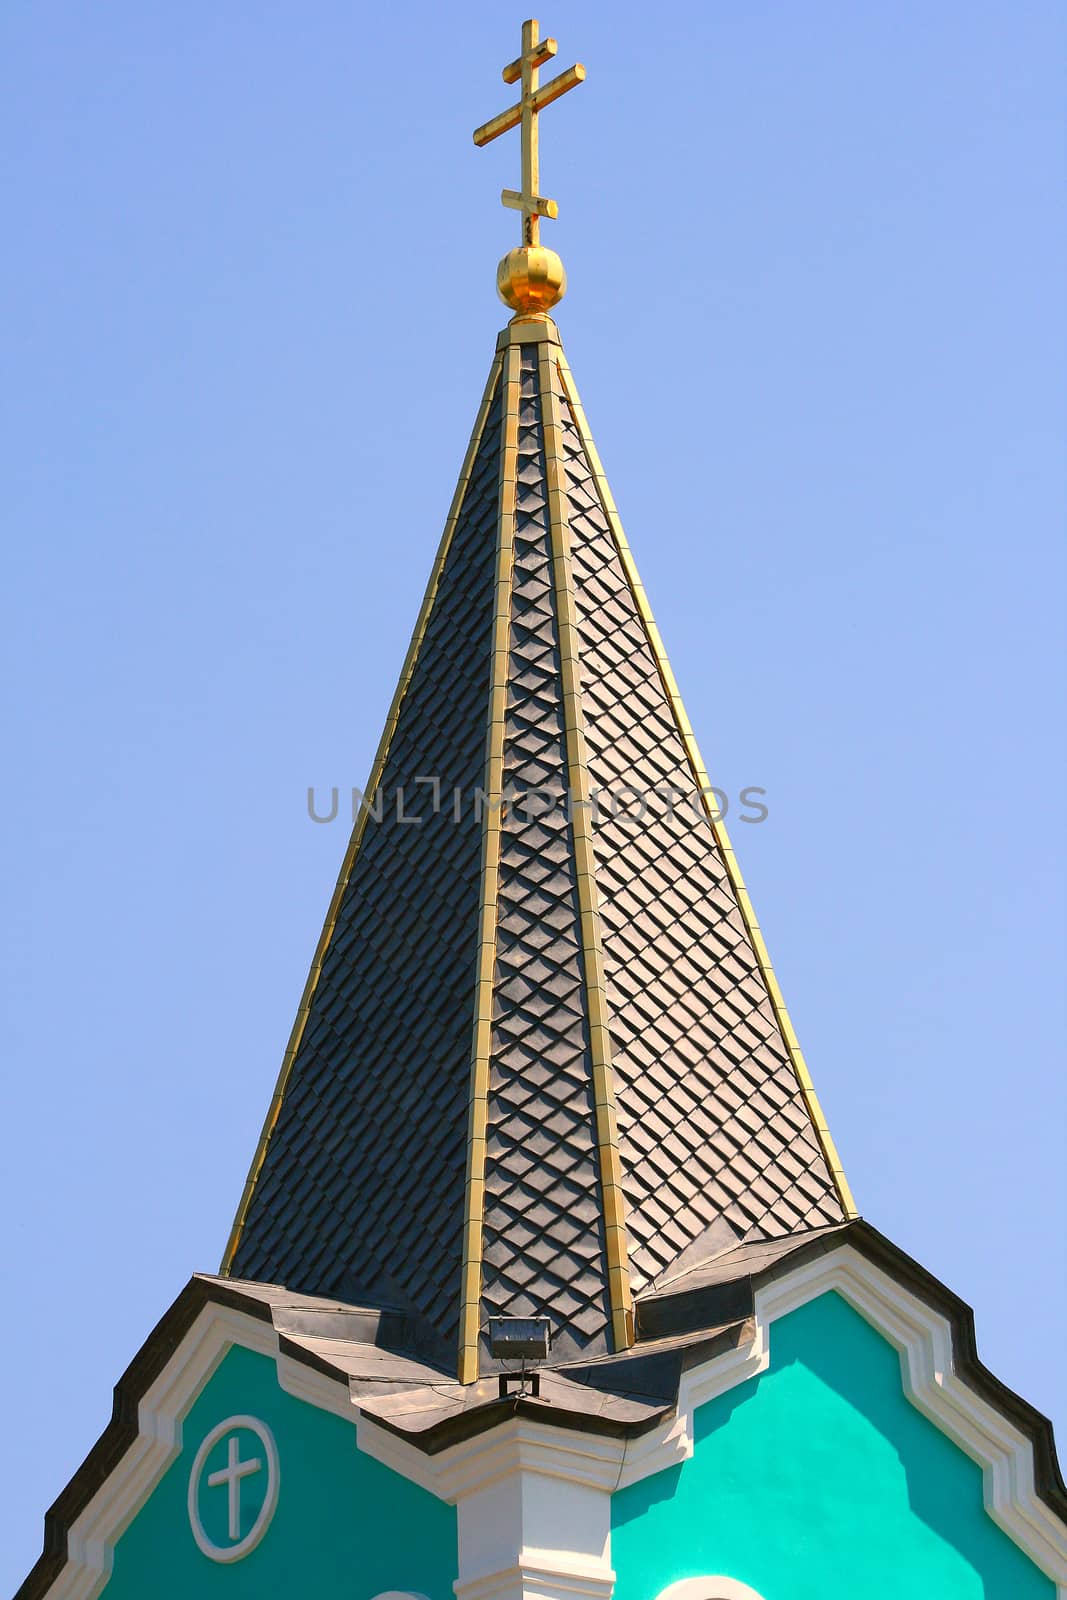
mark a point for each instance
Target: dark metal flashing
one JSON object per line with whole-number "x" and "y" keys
{"x": 614, "y": 1396}
{"x": 662, "y": 1316}
{"x": 550, "y": 1407}
{"x": 653, "y": 1369}
{"x": 718, "y": 1284}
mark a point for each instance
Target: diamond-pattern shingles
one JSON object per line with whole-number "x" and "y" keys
{"x": 361, "y": 1190}
{"x": 715, "y": 1138}
{"x": 543, "y": 1223}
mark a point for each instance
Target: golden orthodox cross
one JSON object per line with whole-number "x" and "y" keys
{"x": 533, "y": 100}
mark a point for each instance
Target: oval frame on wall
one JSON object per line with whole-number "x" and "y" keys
{"x": 243, "y": 1547}
{"x": 708, "y": 1589}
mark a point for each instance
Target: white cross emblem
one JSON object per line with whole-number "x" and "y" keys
{"x": 230, "y": 1478}
{"x": 231, "y": 1475}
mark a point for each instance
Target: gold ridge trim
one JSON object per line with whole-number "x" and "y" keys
{"x": 722, "y": 838}
{"x": 615, "y": 1239}
{"x": 380, "y": 758}
{"x": 481, "y": 1049}
{"x": 533, "y": 327}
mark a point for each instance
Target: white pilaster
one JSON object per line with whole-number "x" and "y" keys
{"x": 534, "y": 1507}
{"x": 528, "y": 1536}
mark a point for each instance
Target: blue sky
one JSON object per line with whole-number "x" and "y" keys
{"x": 816, "y": 258}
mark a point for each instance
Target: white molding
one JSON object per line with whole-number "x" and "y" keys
{"x": 316, "y": 1388}
{"x": 708, "y": 1589}
{"x": 923, "y": 1338}
{"x": 398, "y": 1455}
{"x": 671, "y": 1443}
{"x": 517, "y": 1445}
{"x": 530, "y": 1579}
{"x": 94, "y": 1533}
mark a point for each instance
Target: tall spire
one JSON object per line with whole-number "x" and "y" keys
{"x": 541, "y": 1062}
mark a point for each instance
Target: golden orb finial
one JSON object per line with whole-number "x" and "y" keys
{"x": 530, "y": 279}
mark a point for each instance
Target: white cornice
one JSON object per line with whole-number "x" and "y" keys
{"x": 517, "y": 1445}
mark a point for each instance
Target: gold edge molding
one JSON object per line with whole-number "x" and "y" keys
{"x": 531, "y": 328}
{"x": 615, "y": 1241}
{"x": 481, "y": 1048}
{"x": 722, "y": 839}
{"x": 347, "y": 864}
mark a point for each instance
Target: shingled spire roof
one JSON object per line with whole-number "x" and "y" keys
{"x": 541, "y": 1061}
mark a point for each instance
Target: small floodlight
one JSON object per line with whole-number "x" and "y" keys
{"x": 519, "y": 1339}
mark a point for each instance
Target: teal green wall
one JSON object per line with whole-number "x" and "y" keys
{"x": 345, "y": 1526}
{"x": 820, "y": 1479}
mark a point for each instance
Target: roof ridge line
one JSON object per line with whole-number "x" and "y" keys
{"x": 616, "y": 1247}
{"x": 489, "y": 872}
{"x": 356, "y": 837}
{"x": 699, "y": 771}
